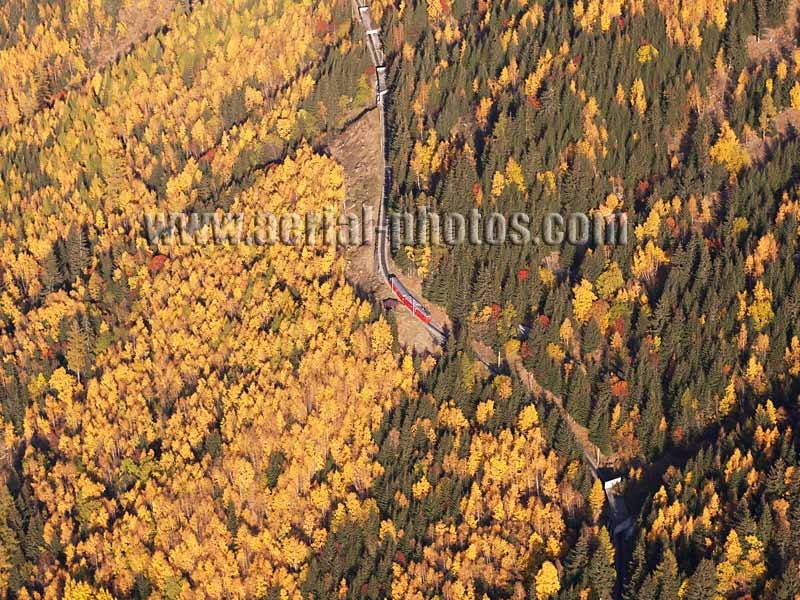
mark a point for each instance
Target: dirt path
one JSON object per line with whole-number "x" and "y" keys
{"x": 778, "y": 41}
{"x": 581, "y": 434}
{"x": 758, "y": 148}
{"x": 355, "y": 149}
{"x": 775, "y": 44}
{"x": 356, "y": 152}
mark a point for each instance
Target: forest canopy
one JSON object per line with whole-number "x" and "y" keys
{"x": 221, "y": 421}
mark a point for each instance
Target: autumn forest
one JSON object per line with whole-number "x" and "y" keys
{"x": 584, "y": 422}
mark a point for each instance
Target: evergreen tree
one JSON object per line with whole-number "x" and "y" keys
{"x": 601, "y": 567}
{"x": 578, "y": 397}
{"x": 77, "y": 255}
{"x": 77, "y": 348}
{"x": 702, "y": 585}
{"x": 577, "y": 559}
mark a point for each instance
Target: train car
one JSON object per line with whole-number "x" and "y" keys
{"x": 407, "y": 298}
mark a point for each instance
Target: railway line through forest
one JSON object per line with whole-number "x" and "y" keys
{"x": 620, "y": 523}
{"x": 375, "y": 46}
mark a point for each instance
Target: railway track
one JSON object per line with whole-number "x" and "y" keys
{"x": 375, "y": 46}
{"x": 619, "y": 521}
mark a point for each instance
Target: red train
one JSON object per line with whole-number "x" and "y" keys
{"x": 409, "y": 300}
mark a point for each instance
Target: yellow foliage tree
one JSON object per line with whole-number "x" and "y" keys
{"x": 728, "y": 399}
{"x": 729, "y": 151}
{"x": 498, "y": 184}
{"x": 761, "y": 308}
{"x": 794, "y": 95}
{"x": 534, "y": 81}
{"x": 647, "y": 260}
{"x": 755, "y": 375}
{"x": 421, "y": 488}
{"x": 514, "y": 174}
{"x": 638, "y": 100}
{"x": 743, "y": 564}
{"x": 620, "y": 97}
{"x": 80, "y": 590}
{"x": 547, "y": 583}
{"x": 482, "y": 112}
{"x": 646, "y": 53}
{"x": 597, "y": 500}
{"x": 766, "y": 251}
{"x": 792, "y": 357}
{"x": 422, "y": 159}
{"x": 583, "y": 300}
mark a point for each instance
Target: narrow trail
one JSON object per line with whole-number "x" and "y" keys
{"x": 619, "y": 522}
{"x": 594, "y": 456}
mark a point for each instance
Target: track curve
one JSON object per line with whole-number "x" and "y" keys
{"x": 375, "y": 46}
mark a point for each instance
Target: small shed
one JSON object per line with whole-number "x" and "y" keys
{"x": 390, "y": 304}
